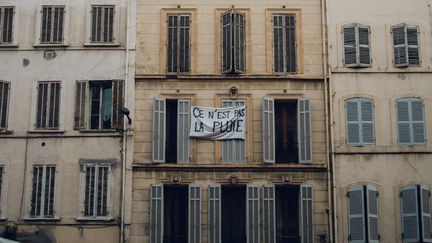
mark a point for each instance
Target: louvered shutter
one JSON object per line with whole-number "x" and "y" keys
{"x": 304, "y": 130}
{"x": 184, "y": 42}
{"x": 290, "y": 44}
{"x": 227, "y": 42}
{"x": 57, "y": 28}
{"x": 307, "y": 233}
{"x": 418, "y": 126}
{"x": 413, "y": 46}
{"x": 4, "y": 103}
{"x": 372, "y": 214}
{"x": 410, "y": 118}
{"x": 252, "y": 214}
{"x": 234, "y": 150}
{"x": 54, "y": 105}
{"x": 194, "y": 214}
{"x": 214, "y": 210}
{"x": 367, "y": 121}
{"x": 172, "y": 44}
{"x": 410, "y": 221}
{"x": 268, "y": 131}
{"x": 352, "y": 122}
{"x": 425, "y": 197}
{"x": 158, "y": 150}
{"x": 403, "y": 121}
{"x": 45, "y": 36}
{"x": 156, "y": 213}
{"x": 364, "y": 46}
{"x": 6, "y": 19}
{"x": 356, "y": 215}
{"x": 239, "y": 42}
{"x": 349, "y": 34}
{"x": 268, "y": 217}
{"x": 80, "y": 104}
{"x": 117, "y": 103}
{"x": 183, "y": 127}
{"x": 400, "y": 58}
{"x": 278, "y": 44}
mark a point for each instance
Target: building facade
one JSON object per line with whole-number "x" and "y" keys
{"x": 270, "y": 187}
{"x": 381, "y": 106}
{"x": 66, "y": 70}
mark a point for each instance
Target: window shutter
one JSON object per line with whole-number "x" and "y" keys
{"x": 57, "y": 29}
{"x": 352, "y": 122}
{"x": 403, "y": 120}
{"x": 269, "y": 215}
{"x": 410, "y": 222}
{"x": 425, "y": 197}
{"x": 194, "y": 214}
{"x": 268, "y": 131}
{"x": 399, "y": 47}
{"x": 290, "y": 44}
{"x": 239, "y": 42}
{"x": 227, "y": 42}
{"x": 356, "y": 214}
{"x": 117, "y": 103}
{"x": 6, "y": 19}
{"x": 80, "y": 104}
{"x": 372, "y": 214}
{"x": 278, "y": 44}
{"x": 214, "y": 209}
{"x": 4, "y": 104}
{"x": 184, "y": 41}
{"x": 364, "y": 46}
{"x": 307, "y": 233}
{"x": 233, "y": 150}
{"x": 413, "y": 45}
{"x": 350, "y": 45}
{"x": 304, "y": 130}
{"x": 418, "y": 126}
{"x": 54, "y": 105}
{"x": 252, "y": 214}
{"x": 183, "y": 127}
{"x": 367, "y": 121}
{"x": 46, "y": 24}
{"x": 158, "y": 151}
{"x": 156, "y": 213}
{"x": 172, "y": 45}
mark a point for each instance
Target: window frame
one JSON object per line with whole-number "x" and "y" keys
{"x": 116, "y": 24}
{"x": 5, "y": 106}
{"x": 54, "y": 216}
{"x": 59, "y": 106}
{"x": 178, "y": 62}
{"x": 15, "y": 25}
{"x": 360, "y": 122}
{"x": 38, "y": 28}
{"x": 284, "y": 28}
{"x": 358, "y": 62}
{"x": 406, "y": 45}
{"x": 96, "y": 182}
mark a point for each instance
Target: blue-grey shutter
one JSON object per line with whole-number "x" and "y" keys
{"x": 356, "y": 223}
{"x": 400, "y": 56}
{"x": 194, "y": 214}
{"x": 403, "y": 121}
{"x": 239, "y": 42}
{"x": 214, "y": 211}
{"x": 252, "y": 214}
{"x": 158, "y": 149}
{"x": 367, "y": 121}
{"x": 268, "y": 131}
{"x": 410, "y": 118}
{"x": 363, "y": 46}
{"x": 226, "y": 42}
{"x": 268, "y": 217}
{"x": 413, "y": 45}
{"x": 425, "y": 197}
{"x": 233, "y": 150}
{"x": 352, "y": 122}
{"x": 156, "y": 213}
{"x": 372, "y": 214}
{"x": 410, "y": 221}
{"x": 307, "y": 232}
{"x": 183, "y": 127}
{"x": 350, "y": 57}
{"x": 418, "y": 126}
{"x": 304, "y": 130}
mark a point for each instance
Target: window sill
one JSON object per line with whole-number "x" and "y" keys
{"x": 101, "y": 44}
{"x": 8, "y": 45}
{"x": 106, "y": 218}
{"x": 98, "y": 130}
{"x": 6, "y": 132}
{"x": 55, "y": 218}
{"x": 50, "y": 45}
{"x": 45, "y": 131}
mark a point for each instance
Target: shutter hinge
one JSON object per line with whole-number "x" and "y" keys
{"x": 347, "y": 194}
{"x": 400, "y": 194}
{"x": 377, "y": 194}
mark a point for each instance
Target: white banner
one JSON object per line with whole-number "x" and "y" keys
{"x": 218, "y": 123}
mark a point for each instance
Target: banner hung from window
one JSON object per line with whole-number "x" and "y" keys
{"x": 218, "y": 123}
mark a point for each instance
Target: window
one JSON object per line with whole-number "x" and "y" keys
{"x": 287, "y": 131}
{"x": 96, "y": 190}
{"x": 171, "y": 124}
{"x": 410, "y": 121}
{"x": 98, "y": 104}
{"x": 416, "y": 213}
{"x": 284, "y": 43}
{"x": 52, "y": 25}
{"x": 356, "y": 45}
{"x": 405, "y": 45}
{"x": 234, "y": 150}
{"x": 175, "y": 214}
{"x": 2, "y": 201}
{"x": 6, "y": 25}
{"x": 48, "y": 105}
{"x": 233, "y": 42}
{"x": 359, "y": 122}
{"x": 43, "y": 189}
{"x": 102, "y": 24}
{"x": 363, "y": 214}
{"x": 4, "y": 104}
{"x": 178, "y": 43}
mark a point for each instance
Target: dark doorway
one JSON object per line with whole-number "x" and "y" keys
{"x": 286, "y": 131}
{"x": 233, "y": 214}
{"x": 175, "y": 214}
{"x": 171, "y": 132}
{"x": 287, "y": 214}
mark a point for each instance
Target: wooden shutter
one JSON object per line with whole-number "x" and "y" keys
{"x": 352, "y": 122}
{"x": 239, "y": 42}
{"x": 194, "y": 214}
{"x": 363, "y": 46}
{"x": 226, "y": 42}
{"x": 372, "y": 214}
{"x": 400, "y": 57}
{"x": 269, "y": 215}
{"x": 412, "y": 45}
{"x": 156, "y": 213}
{"x": 214, "y": 210}
{"x": 80, "y": 104}
{"x": 410, "y": 221}
{"x": 307, "y": 232}
{"x": 117, "y": 103}
{"x": 268, "y": 131}
{"x": 349, "y": 34}
{"x": 184, "y": 43}
{"x": 4, "y": 103}
{"x": 304, "y": 130}
{"x": 425, "y": 197}
{"x": 183, "y": 127}
{"x": 418, "y": 126}
{"x": 356, "y": 223}
{"x": 233, "y": 150}
{"x": 158, "y": 150}
{"x": 252, "y": 214}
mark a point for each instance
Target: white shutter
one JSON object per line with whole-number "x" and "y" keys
{"x": 410, "y": 221}
{"x": 183, "y": 127}
{"x": 214, "y": 210}
{"x": 306, "y": 221}
{"x": 356, "y": 222}
{"x": 156, "y": 213}
{"x": 372, "y": 214}
{"x": 252, "y": 214}
{"x": 304, "y": 130}
{"x": 158, "y": 151}
{"x": 194, "y": 214}
{"x": 269, "y": 217}
{"x": 268, "y": 131}
{"x": 425, "y": 196}
{"x": 234, "y": 150}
